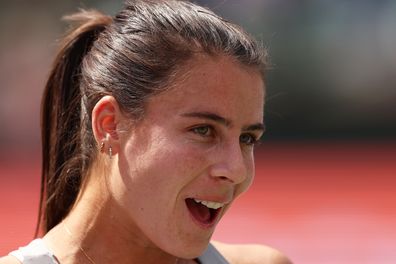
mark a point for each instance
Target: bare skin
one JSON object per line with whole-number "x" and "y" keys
{"x": 250, "y": 254}
{"x": 235, "y": 254}
{"x": 133, "y": 206}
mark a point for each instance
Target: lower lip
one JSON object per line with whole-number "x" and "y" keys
{"x": 206, "y": 224}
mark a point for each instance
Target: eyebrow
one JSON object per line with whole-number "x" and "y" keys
{"x": 222, "y": 120}
{"x": 211, "y": 116}
{"x": 257, "y": 126}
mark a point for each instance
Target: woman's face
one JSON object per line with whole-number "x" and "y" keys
{"x": 182, "y": 166}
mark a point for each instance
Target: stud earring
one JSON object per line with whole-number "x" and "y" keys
{"x": 102, "y": 146}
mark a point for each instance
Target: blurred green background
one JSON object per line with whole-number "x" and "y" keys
{"x": 325, "y": 184}
{"x": 333, "y": 69}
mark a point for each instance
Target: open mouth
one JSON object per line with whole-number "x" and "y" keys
{"x": 204, "y": 212}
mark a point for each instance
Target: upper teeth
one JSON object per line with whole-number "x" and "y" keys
{"x": 209, "y": 204}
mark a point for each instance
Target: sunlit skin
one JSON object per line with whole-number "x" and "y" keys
{"x": 195, "y": 140}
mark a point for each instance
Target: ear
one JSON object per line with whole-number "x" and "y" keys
{"x": 106, "y": 116}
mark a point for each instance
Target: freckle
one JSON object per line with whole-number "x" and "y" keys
{"x": 141, "y": 209}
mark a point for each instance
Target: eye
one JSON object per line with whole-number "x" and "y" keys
{"x": 247, "y": 139}
{"x": 203, "y": 130}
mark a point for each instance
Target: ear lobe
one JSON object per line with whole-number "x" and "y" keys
{"x": 105, "y": 118}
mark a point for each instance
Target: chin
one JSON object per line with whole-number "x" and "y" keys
{"x": 187, "y": 250}
{"x": 192, "y": 253}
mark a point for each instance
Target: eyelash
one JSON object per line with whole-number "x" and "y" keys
{"x": 252, "y": 139}
{"x": 203, "y": 133}
{"x": 209, "y": 132}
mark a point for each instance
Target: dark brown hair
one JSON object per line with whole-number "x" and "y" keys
{"x": 131, "y": 57}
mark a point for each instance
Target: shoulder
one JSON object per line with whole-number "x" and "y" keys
{"x": 250, "y": 253}
{"x": 8, "y": 260}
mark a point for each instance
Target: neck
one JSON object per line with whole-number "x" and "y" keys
{"x": 97, "y": 233}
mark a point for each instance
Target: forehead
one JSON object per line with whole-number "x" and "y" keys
{"x": 216, "y": 84}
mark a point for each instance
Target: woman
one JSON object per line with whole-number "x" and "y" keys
{"x": 148, "y": 122}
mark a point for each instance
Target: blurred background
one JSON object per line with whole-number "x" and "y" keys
{"x": 325, "y": 182}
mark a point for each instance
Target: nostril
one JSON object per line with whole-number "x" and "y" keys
{"x": 224, "y": 178}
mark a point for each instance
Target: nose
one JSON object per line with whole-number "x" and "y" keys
{"x": 231, "y": 164}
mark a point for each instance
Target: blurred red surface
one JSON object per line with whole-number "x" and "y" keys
{"x": 319, "y": 202}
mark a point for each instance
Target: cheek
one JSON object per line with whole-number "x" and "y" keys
{"x": 250, "y": 173}
{"x": 164, "y": 166}
{"x": 182, "y": 163}
{"x": 251, "y": 168}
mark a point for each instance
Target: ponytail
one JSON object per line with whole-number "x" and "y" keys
{"x": 61, "y": 121}
{"x": 132, "y": 58}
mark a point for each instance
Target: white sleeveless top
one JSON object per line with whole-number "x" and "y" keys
{"x": 38, "y": 253}
{"x": 35, "y": 253}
